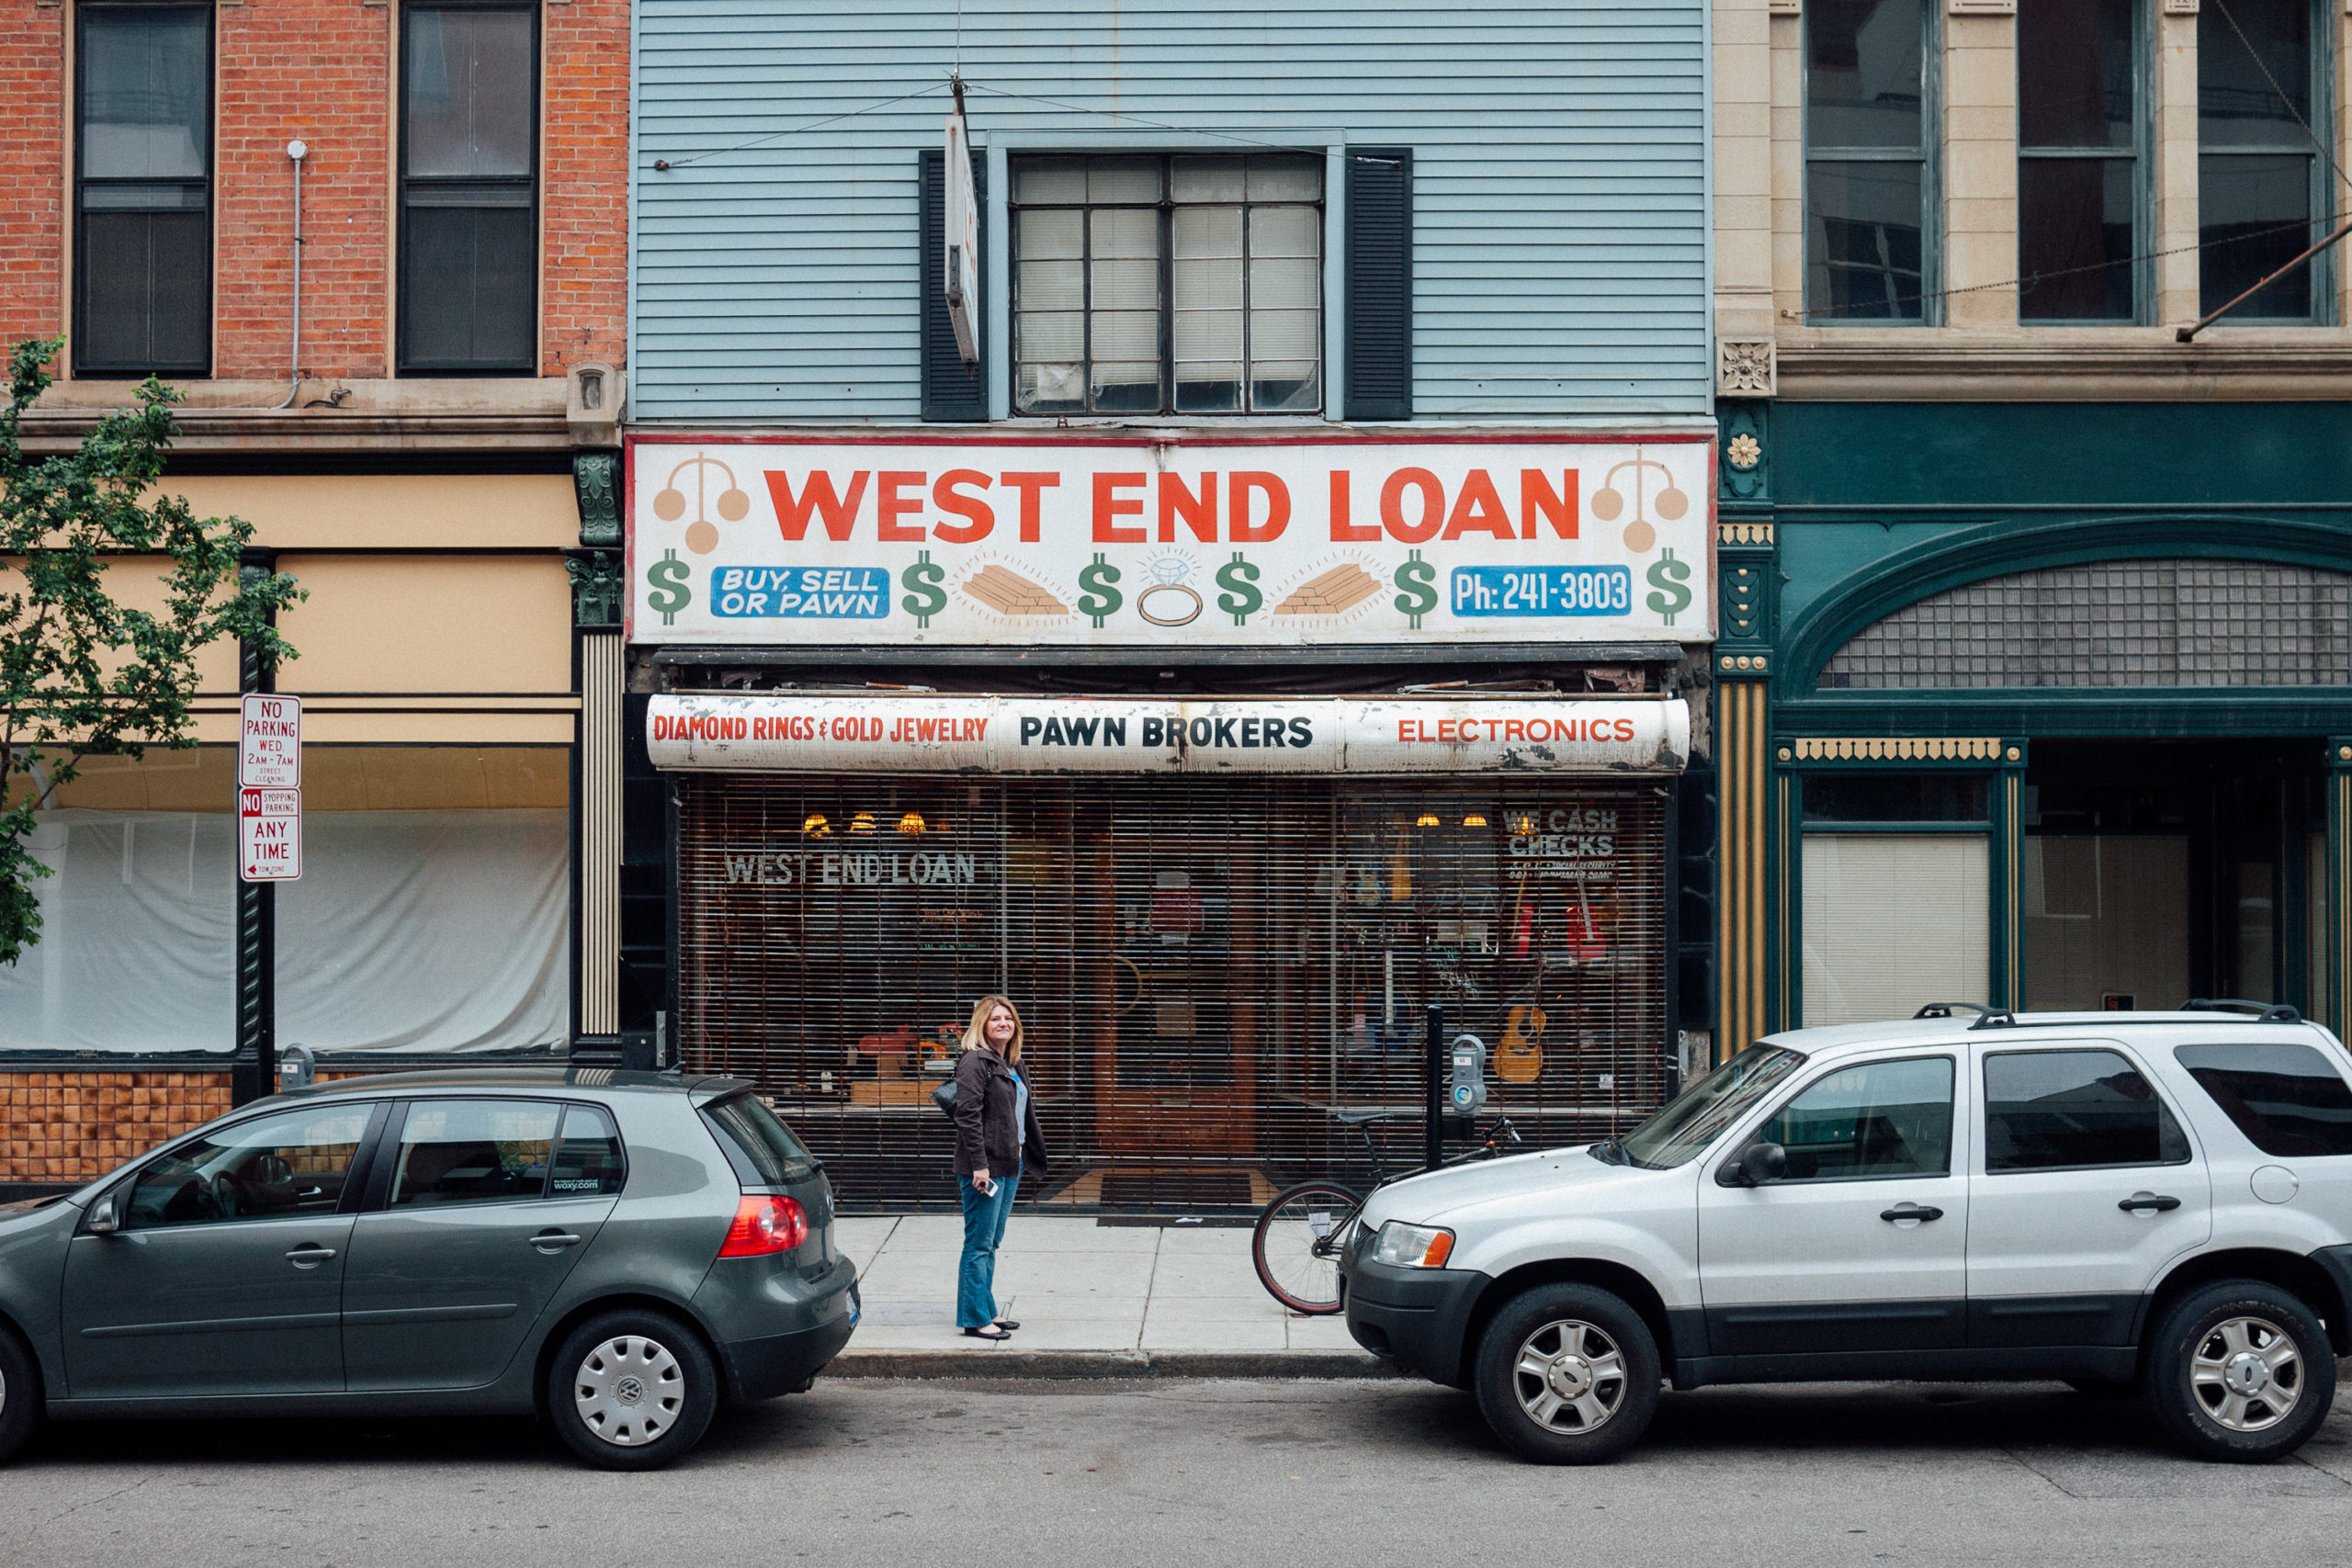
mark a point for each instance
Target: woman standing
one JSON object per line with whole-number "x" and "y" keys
{"x": 996, "y": 1126}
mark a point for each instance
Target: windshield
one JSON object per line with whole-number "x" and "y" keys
{"x": 1698, "y": 1114}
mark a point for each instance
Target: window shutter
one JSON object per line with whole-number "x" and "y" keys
{"x": 949, "y": 391}
{"x": 1380, "y": 283}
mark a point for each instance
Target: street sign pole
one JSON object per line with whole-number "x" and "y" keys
{"x": 269, "y": 850}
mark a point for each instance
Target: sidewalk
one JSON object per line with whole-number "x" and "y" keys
{"x": 1092, "y": 1301}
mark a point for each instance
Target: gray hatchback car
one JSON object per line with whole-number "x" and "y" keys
{"x": 616, "y": 1251}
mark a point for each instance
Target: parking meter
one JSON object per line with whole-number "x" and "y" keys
{"x": 1465, "y": 1089}
{"x": 297, "y": 1066}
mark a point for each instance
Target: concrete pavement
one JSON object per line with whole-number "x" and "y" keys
{"x": 1091, "y": 1299}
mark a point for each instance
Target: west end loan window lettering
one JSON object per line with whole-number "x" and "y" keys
{"x": 468, "y": 188}
{"x": 1866, "y": 173}
{"x": 1191, "y": 284}
{"x": 143, "y": 219}
{"x": 2078, "y": 164}
{"x": 2261, "y": 196}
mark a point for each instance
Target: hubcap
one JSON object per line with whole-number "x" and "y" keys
{"x": 2246, "y": 1374}
{"x": 628, "y": 1390}
{"x": 1569, "y": 1377}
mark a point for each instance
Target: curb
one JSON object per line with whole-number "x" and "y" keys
{"x": 1010, "y": 1363}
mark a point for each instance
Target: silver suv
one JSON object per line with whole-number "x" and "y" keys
{"x": 2137, "y": 1203}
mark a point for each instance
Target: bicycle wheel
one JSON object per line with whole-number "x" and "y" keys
{"x": 1296, "y": 1245}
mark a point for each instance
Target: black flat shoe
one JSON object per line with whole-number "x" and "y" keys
{"x": 982, "y": 1333}
{"x": 1008, "y": 1325}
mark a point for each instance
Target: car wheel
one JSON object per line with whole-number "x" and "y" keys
{"x": 20, "y": 1397}
{"x": 1567, "y": 1374}
{"x": 632, "y": 1390}
{"x": 2241, "y": 1370}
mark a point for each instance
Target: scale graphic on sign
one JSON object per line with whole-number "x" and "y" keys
{"x": 269, "y": 788}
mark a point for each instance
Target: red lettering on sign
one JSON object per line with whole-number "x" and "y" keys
{"x": 1277, "y": 494}
{"x": 889, "y": 506}
{"x": 1343, "y": 531}
{"x": 1536, "y": 499}
{"x": 1478, "y": 510}
{"x": 839, "y": 513}
{"x": 1030, "y": 486}
{"x": 1392, "y": 507}
{"x": 1109, "y": 506}
{"x": 980, "y": 516}
{"x": 1199, "y": 512}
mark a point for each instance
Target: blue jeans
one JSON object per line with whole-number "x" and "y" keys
{"x": 984, "y": 1217}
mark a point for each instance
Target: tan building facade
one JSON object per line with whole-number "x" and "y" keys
{"x": 415, "y": 403}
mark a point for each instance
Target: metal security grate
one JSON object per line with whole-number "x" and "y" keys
{"x": 1207, "y": 970}
{"x": 2137, "y": 623}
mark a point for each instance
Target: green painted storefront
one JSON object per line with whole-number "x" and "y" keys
{"x": 2039, "y": 704}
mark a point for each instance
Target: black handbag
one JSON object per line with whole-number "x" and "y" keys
{"x": 944, "y": 1097}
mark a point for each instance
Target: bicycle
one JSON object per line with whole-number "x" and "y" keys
{"x": 1297, "y": 1240}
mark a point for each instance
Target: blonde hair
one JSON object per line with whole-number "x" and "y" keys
{"x": 974, "y": 1039}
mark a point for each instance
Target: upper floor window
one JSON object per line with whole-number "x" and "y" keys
{"x": 2079, "y": 137}
{"x": 468, "y": 264}
{"x": 143, "y": 232}
{"x": 2261, "y": 190}
{"x": 1172, "y": 284}
{"x": 1868, "y": 178}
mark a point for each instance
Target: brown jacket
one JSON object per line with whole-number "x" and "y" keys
{"x": 985, "y": 1138}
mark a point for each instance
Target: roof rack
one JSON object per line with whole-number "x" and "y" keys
{"x": 1988, "y": 1016}
{"x": 2261, "y": 1012}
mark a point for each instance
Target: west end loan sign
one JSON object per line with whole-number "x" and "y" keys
{"x": 700, "y": 731}
{"x": 1153, "y": 541}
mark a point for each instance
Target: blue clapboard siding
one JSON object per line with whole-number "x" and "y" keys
{"x": 1559, "y": 249}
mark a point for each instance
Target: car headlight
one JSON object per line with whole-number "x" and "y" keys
{"x": 1413, "y": 1247}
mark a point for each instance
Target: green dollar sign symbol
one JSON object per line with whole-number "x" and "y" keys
{"x": 1667, "y": 576}
{"x": 669, "y": 593}
{"x": 1416, "y": 587}
{"x": 1100, "y": 598}
{"x": 921, "y": 581}
{"x": 1238, "y": 599}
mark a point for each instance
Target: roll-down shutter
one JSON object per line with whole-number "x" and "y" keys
{"x": 1207, "y": 970}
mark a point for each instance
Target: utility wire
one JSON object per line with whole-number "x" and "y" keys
{"x": 667, "y": 163}
{"x": 2025, "y": 285}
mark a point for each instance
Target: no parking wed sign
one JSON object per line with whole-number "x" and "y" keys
{"x": 269, "y": 788}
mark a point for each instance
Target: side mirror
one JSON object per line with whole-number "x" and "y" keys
{"x": 102, "y": 1220}
{"x": 1757, "y": 1165}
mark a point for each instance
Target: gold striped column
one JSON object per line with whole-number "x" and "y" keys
{"x": 1750, "y": 812}
{"x": 600, "y": 830}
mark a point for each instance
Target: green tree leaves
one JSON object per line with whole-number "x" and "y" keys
{"x": 83, "y": 674}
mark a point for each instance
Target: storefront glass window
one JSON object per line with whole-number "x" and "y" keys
{"x": 434, "y": 910}
{"x": 1208, "y": 971}
{"x": 433, "y": 914}
{"x": 1892, "y": 921}
{"x": 138, "y": 937}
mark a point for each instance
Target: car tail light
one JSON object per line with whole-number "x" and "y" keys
{"x": 765, "y": 1225}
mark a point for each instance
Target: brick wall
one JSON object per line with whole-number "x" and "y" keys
{"x": 32, "y": 169}
{"x": 58, "y": 1128}
{"x": 320, "y": 71}
{"x": 584, "y": 200}
{"x": 72, "y": 1127}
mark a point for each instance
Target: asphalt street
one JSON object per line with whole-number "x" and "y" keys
{"x": 967, "y": 1475}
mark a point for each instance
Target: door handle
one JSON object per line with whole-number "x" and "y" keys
{"x": 546, "y": 1240}
{"x": 310, "y": 1254}
{"x": 2148, "y": 1202}
{"x": 1912, "y": 1212}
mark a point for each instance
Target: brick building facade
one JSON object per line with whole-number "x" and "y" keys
{"x": 434, "y": 462}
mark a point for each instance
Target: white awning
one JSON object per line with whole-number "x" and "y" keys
{"x": 711, "y": 732}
